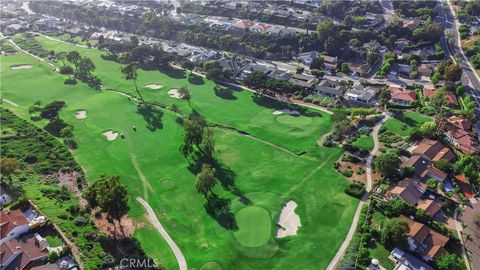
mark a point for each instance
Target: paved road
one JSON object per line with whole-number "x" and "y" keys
{"x": 182, "y": 263}
{"x": 353, "y": 228}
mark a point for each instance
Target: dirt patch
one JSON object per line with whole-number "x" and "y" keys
{"x": 174, "y": 93}
{"x": 70, "y": 180}
{"x": 81, "y": 114}
{"x": 113, "y": 228}
{"x": 354, "y": 167}
{"x": 287, "y": 111}
{"x": 21, "y": 66}
{"x": 111, "y": 135}
{"x": 288, "y": 221}
{"x": 153, "y": 86}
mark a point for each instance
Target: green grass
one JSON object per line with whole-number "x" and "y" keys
{"x": 267, "y": 176}
{"x": 254, "y": 226}
{"x": 381, "y": 254}
{"x": 54, "y": 241}
{"x": 364, "y": 142}
{"x": 405, "y": 126}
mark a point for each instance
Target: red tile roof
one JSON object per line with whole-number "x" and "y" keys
{"x": 408, "y": 96}
{"x": 26, "y": 249}
{"x": 460, "y": 122}
{"x": 9, "y": 220}
{"x": 433, "y": 241}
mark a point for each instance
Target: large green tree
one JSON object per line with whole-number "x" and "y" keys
{"x": 393, "y": 232}
{"x": 109, "y": 195}
{"x": 450, "y": 261}
{"x": 206, "y": 180}
{"x": 388, "y": 164}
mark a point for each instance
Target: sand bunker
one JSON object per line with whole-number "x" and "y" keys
{"x": 153, "y": 86}
{"x": 81, "y": 114}
{"x": 287, "y": 111}
{"x": 288, "y": 220}
{"x": 174, "y": 93}
{"x": 111, "y": 135}
{"x": 22, "y": 66}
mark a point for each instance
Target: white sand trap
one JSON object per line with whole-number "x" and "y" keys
{"x": 153, "y": 86}
{"x": 111, "y": 135}
{"x": 22, "y": 66}
{"x": 288, "y": 220}
{"x": 174, "y": 93}
{"x": 287, "y": 111}
{"x": 81, "y": 114}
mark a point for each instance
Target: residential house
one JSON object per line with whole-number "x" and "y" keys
{"x": 433, "y": 150}
{"x": 232, "y": 65}
{"x": 330, "y": 62}
{"x": 409, "y": 190}
{"x": 404, "y": 69}
{"x": 431, "y": 207}
{"x": 423, "y": 170}
{"x": 411, "y": 23}
{"x": 330, "y": 88}
{"x": 23, "y": 253}
{"x": 304, "y": 81}
{"x": 430, "y": 90}
{"x": 462, "y": 140}
{"x": 460, "y": 122}
{"x": 406, "y": 261}
{"x": 425, "y": 70}
{"x": 253, "y": 67}
{"x": 425, "y": 241}
{"x": 280, "y": 75}
{"x": 260, "y": 27}
{"x": 241, "y": 25}
{"x": 362, "y": 94}
{"x": 307, "y": 57}
{"x": 12, "y": 225}
{"x": 401, "y": 43}
{"x": 404, "y": 98}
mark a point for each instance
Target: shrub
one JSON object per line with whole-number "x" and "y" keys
{"x": 70, "y": 81}
{"x": 53, "y": 256}
{"x": 70, "y": 143}
{"x": 356, "y": 190}
{"x": 347, "y": 173}
{"x": 80, "y": 221}
{"x": 66, "y": 70}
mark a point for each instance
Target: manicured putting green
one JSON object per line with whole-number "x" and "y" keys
{"x": 254, "y": 226}
{"x": 211, "y": 266}
{"x": 293, "y": 120}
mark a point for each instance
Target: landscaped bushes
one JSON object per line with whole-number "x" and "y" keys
{"x": 356, "y": 190}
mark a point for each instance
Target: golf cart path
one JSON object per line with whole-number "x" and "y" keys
{"x": 59, "y": 40}
{"x": 22, "y": 50}
{"x": 182, "y": 263}
{"x": 9, "y": 102}
{"x": 343, "y": 248}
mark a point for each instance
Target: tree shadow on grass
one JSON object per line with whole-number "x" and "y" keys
{"x": 118, "y": 249}
{"x": 173, "y": 72}
{"x": 271, "y": 103}
{"x": 152, "y": 115}
{"x": 219, "y": 209}
{"x": 224, "y": 92}
{"x": 195, "y": 79}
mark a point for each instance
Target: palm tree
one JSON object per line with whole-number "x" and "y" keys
{"x": 130, "y": 73}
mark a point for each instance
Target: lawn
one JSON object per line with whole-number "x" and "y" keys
{"x": 407, "y": 124}
{"x": 381, "y": 254}
{"x": 54, "y": 241}
{"x": 150, "y": 164}
{"x": 364, "y": 142}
